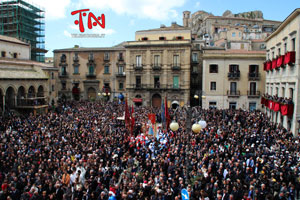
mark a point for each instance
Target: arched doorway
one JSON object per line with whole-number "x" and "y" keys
{"x": 91, "y": 94}
{"x": 138, "y": 100}
{"x": 10, "y": 97}
{"x": 21, "y": 96}
{"x": 31, "y": 92}
{"x": 156, "y": 100}
{"x": 76, "y": 92}
{"x": 40, "y": 91}
{"x": 40, "y": 94}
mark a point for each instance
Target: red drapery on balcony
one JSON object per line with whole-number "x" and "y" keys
{"x": 287, "y": 109}
{"x": 267, "y": 103}
{"x": 276, "y": 106}
{"x": 274, "y": 63}
{"x": 75, "y": 90}
{"x": 269, "y": 65}
{"x": 280, "y": 60}
{"x": 265, "y": 66}
{"x": 289, "y": 58}
{"x": 262, "y": 101}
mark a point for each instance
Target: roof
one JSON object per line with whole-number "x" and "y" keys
{"x": 239, "y": 18}
{"x": 234, "y": 51}
{"x": 173, "y": 27}
{"x": 289, "y": 18}
{"x": 21, "y": 69}
{"x": 114, "y": 48}
{"x": 12, "y": 39}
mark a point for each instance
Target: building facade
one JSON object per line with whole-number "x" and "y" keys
{"x": 158, "y": 65}
{"x": 23, "y": 83}
{"x": 90, "y": 73}
{"x": 232, "y": 79}
{"x": 282, "y": 73}
{"x": 24, "y": 21}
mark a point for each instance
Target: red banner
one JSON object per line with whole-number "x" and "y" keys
{"x": 262, "y": 101}
{"x": 280, "y": 60}
{"x": 274, "y": 63}
{"x": 269, "y": 65}
{"x": 289, "y": 58}
{"x": 276, "y": 106}
{"x": 152, "y": 118}
{"x": 287, "y": 109}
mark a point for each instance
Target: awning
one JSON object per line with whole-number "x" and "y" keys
{"x": 175, "y": 102}
{"x": 137, "y": 100}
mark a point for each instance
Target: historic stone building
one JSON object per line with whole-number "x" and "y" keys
{"x": 283, "y": 72}
{"x": 24, "y": 84}
{"x": 90, "y": 73}
{"x": 232, "y": 78}
{"x": 158, "y": 66}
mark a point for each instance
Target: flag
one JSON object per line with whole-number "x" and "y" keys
{"x": 167, "y": 116}
{"x": 127, "y": 116}
{"x": 132, "y": 121}
{"x": 163, "y": 117}
{"x": 151, "y": 117}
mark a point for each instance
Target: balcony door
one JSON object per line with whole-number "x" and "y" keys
{"x": 252, "y": 88}
{"x": 233, "y": 87}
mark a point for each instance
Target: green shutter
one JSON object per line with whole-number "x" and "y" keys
{"x": 175, "y": 82}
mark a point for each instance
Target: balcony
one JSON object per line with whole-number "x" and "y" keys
{"x": 91, "y": 75}
{"x": 106, "y": 58}
{"x": 137, "y": 67}
{"x": 233, "y": 75}
{"x": 253, "y": 94}
{"x": 194, "y": 61}
{"x": 120, "y": 58}
{"x": 154, "y": 87}
{"x": 194, "y": 72}
{"x": 120, "y": 75}
{"x": 233, "y": 93}
{"x": 255, "y": 76}
{"x": 156, "y": 67}
{"x": 63, "y": 75}
{"x": 176, "y": 67}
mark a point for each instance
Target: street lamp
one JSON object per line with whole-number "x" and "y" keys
{"x": 196, "y": 128}
{"x": 174, "y": 126}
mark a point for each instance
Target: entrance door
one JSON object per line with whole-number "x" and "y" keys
{"x": 91, "y": 94}
{"x": 156, "y": 100}
{"x": 232, "y": 105}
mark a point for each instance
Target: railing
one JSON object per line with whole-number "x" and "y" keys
{"x": 235, "y": 93}
{"x": 253, "y": 93}
{"x": 154, "y": 87}
{"x": 233, "y": 75}
{"x": 195, "y": 61}
{"x": 120, "y": 74}
{"x": 30, "y": 102}
{"x": 63, "y": 75}
{"x": 137, "y": 67}
{"x": 156, "y": 66}
{"x": 91, "y": 75}
{"x": 254, "y": 76}
{"x": 176, "y": 67}
{"x": 76, "y": 59}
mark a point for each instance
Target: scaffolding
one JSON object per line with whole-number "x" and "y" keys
{"x": 24, "y": 21}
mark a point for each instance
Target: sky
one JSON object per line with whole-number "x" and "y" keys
{"x": 124, "y": 17}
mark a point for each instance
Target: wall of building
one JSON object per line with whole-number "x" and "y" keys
{"x": 223, "y": 83}
{"x": 23, "y": 51}
{"x": 285, "y": 79}
{"x": 98, "y": 81}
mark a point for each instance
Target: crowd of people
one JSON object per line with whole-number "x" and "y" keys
{"x": 276, "y": 98}
{"x": 82, "y": 151}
